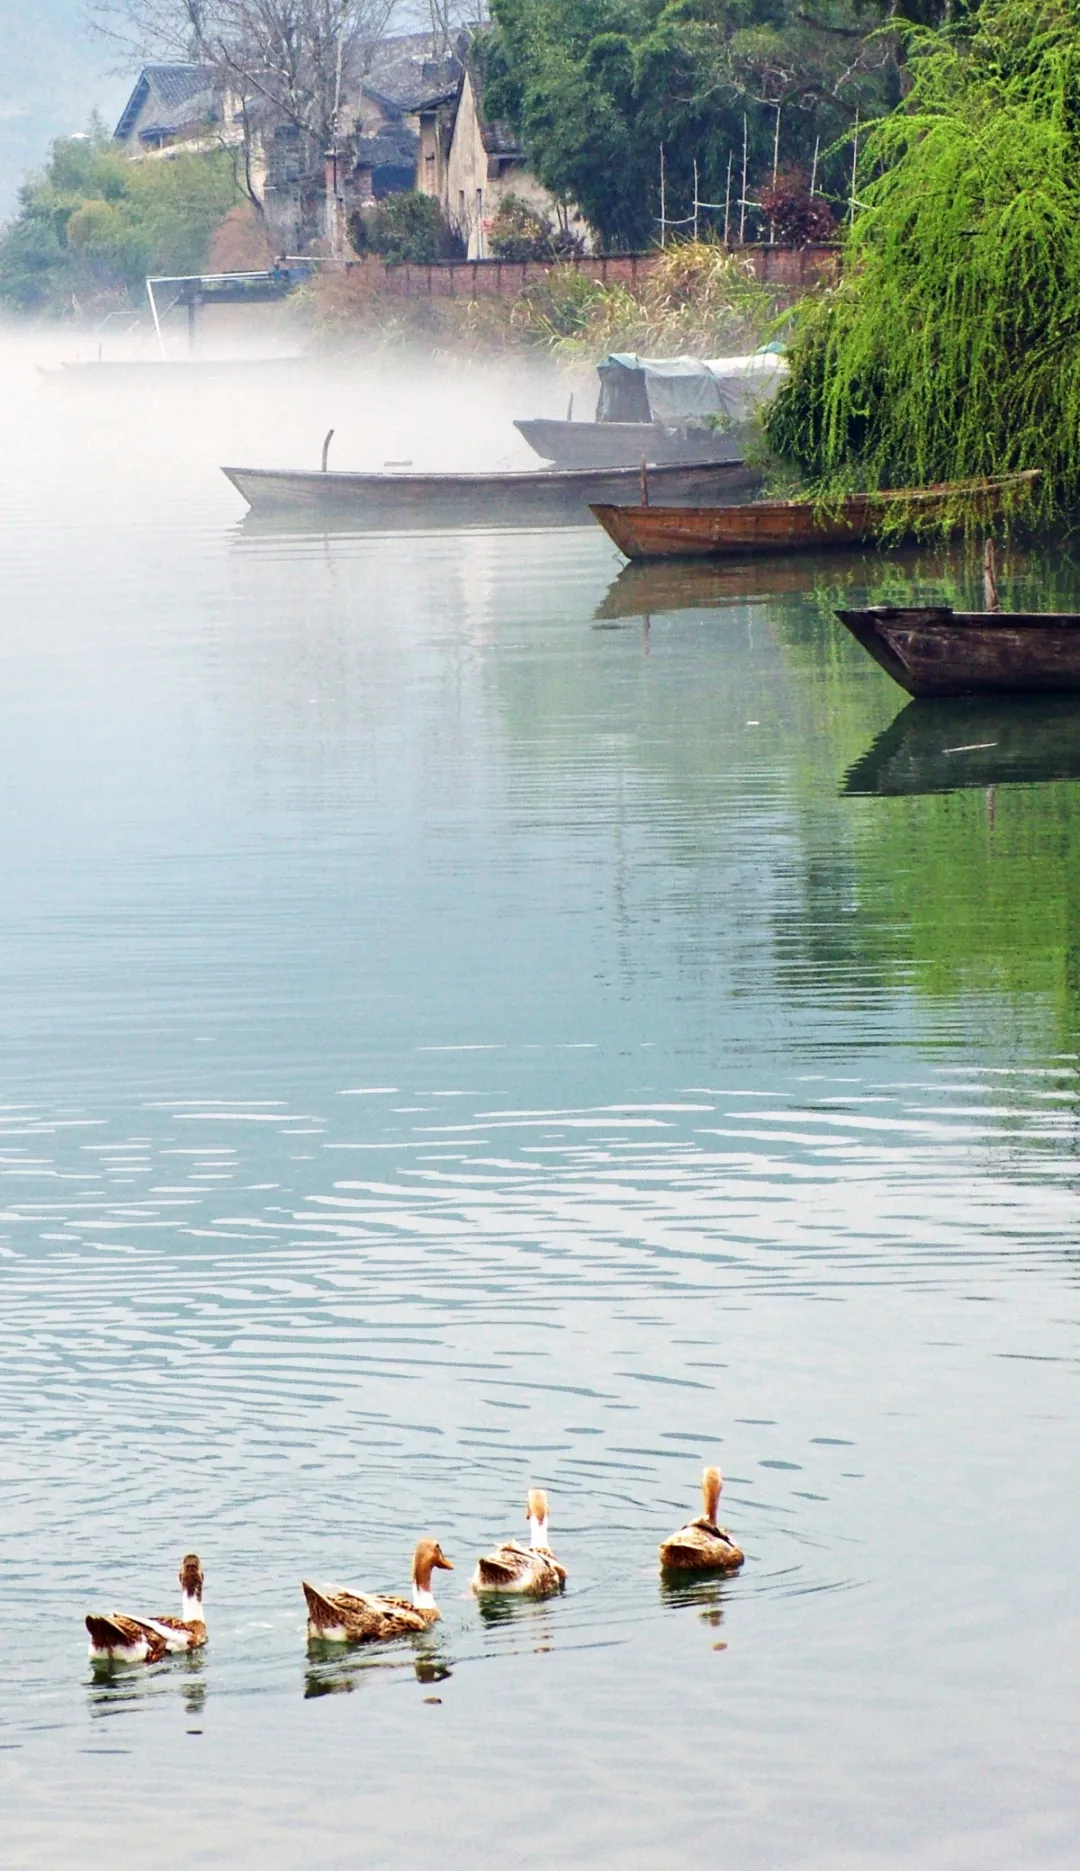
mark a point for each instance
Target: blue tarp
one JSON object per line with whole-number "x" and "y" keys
{"x": 675, "y": 390}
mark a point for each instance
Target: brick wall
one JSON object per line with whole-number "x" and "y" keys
{"x": 795, "y": 268}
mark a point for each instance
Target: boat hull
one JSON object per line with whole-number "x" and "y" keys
{"x": 553, "y": 497}
{"x": 659, "y": 532}
{"x": 938, "y": 652}
{"x": 624, "y": 444}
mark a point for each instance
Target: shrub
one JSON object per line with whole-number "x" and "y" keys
{"x": 797, "y": 218}
{"x": 519, "y": 231}
{"x": 408, "y": 226}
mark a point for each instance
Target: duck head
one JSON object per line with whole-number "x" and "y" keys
{"x": 428, "y": 1555}
{"x": 191, "y": 1588}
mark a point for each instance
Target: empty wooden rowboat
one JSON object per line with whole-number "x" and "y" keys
{"x": 516, "y": 498}
{"x": 652, "y": 532}
{"x": 938, "y": 651}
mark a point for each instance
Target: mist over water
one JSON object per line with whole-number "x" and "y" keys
{"x": 455, "y": 1034}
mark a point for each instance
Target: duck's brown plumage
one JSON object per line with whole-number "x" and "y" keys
{"x": 529, "y": 1571}
{"x": 119, "y": 1637}
{"x": 375, "y": 1617}
{"x": 703, "y": 1545}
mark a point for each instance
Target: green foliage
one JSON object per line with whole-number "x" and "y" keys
{"x": 597, "y": 86}
{"x": 520, "y": 232}
{"x": 951, "y": 346}
{"x": 406, "y": 226}
{"x": 93, "y": 224}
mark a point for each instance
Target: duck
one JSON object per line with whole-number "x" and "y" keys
{"x": 118, "y": 1638}
{"x": 371, "y": 1617}
{"x": 702, "y": 1545}
{"x": 531, "y": 1571}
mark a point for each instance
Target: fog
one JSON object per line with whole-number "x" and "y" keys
{"x": 158, "y": 439}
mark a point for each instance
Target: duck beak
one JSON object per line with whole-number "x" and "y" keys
{"x": 442, "y": 1561}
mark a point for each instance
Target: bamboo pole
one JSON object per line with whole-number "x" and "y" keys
{"x": 775, "y": 171}
{"x": 854, "y": 168}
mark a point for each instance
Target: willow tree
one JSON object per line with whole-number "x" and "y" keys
{"x": 951, "y": 345}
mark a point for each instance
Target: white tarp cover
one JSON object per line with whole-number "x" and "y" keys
{"x": 682, "y": 389}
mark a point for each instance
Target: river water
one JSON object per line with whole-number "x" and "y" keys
{"x": 458, "y": 1031}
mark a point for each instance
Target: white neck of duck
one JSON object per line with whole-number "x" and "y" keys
{"x": 191, "y": 1610}
{"x": 538, "y": 1531}
{"x": 422, "y": 1596}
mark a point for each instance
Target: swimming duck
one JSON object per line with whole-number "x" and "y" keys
{"x": 702, "y": 1545}
{"x": 370, "y": 1617}
{"x": 121, "y": 1639}
{"x": 532, "y": 1570}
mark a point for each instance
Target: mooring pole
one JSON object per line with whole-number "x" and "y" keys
{"x": 327, "y": 439}
{"x": 990, "y": 584}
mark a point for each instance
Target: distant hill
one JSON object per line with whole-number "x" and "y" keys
{"x": 52, "y": 74}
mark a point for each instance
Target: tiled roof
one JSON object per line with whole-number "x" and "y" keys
{"x": 500, "y": 140}
{"x": 394, "y": 147}
{"x": 177, "y": 95}
{"x": 404, "y": 71}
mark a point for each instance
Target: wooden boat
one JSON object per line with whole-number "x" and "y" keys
{"x": 623, "y": 444}
{"x": 553, "y": 497}
{"x": 942, "y": 747}
{"x": 938, "y": 651}
{"x": 659, "y": 532}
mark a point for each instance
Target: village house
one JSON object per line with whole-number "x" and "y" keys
{"x": 177, "y": 107}
{"x": 412, "y": 118}
{"x": 299, "y": 184}
{"x": 471, "y": 163}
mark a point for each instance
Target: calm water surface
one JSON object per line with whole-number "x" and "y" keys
{"x": 456, "y": 1033}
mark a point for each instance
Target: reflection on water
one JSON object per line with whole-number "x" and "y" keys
{"x": 339, "y": 1669}
{"x": 938, "y": 747}
{"x": 442, "y": 1049}
{"x": 120, "y": 1688}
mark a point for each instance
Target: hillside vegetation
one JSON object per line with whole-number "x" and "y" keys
{"x": 93, "y": 224}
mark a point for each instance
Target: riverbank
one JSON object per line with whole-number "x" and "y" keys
{"x": 694, "y": 296}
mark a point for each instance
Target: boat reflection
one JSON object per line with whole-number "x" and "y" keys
{"x": 335, "y": 1671}
{"x": 659, "y": 585}
{"x": 654, "y": 587}
{"x": 945, "y": 746}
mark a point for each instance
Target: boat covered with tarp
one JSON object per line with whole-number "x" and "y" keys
{"x": 663, "y": 409}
